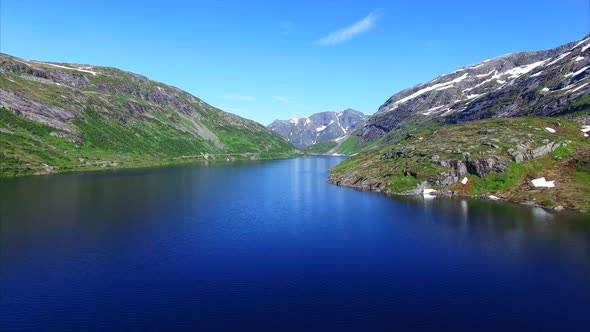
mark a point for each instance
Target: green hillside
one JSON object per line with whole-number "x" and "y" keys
{"x": 63, "y": 117}
{"x": 497, "y": 156}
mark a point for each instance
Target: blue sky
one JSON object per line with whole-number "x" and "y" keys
{"x": 279, "y": 59}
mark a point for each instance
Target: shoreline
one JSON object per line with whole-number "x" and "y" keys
{"x": 449, "y": 194}
{"x": 170, "y": 162}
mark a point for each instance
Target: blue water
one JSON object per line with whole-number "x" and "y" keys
{"x": 271, "y": 246}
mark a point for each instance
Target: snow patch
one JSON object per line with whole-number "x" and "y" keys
{"x": 448, "y": 111}
{"x": 558, "y": 59}
{"x": 307, "y": 121}
{"x": 551, "y": 130}
{"x": 26, "y": 63}
{"x": 480, "y": 84}
{"x": 64, "y": 67}
{"x": 430, "y": 88}
{"x": 432, "y": 110}
{"x": 341, "y": 138}
{"x": 545, "y": 89}
{"x": 579, "y": 58}
{"x": 321, "y": 128}
{"x": 578, "y": 72}
{"x": 582, "y": 42}
{"x": 428, "y": 192}
{"x": 518, "y": 71}
{"x": 485, "y": 75}
{"x": 571, "y": 87}
{"x": 541, "y": 182}
{"x": 444, "y": 88}
{"x": 295, "y": 120}
{"x": 578, "y": 88}
{"x": 340, "y": 125}
{"x": 500, "y": 81}
{"x": 585, "y": 48}
{"x": 537, "y": 74}
{"x": 464, "y": 181}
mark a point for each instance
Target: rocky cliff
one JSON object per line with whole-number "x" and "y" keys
{"x": 58, "y": 117}
{"x": 319, "y": 127}
{"x": 452, "y": 135}
{"x": 543, "y": 83}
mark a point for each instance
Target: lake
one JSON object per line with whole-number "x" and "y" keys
{"x": 270, "y": 245}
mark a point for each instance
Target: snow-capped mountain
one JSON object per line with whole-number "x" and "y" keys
{"x": 545, "y": 83}
{"x": 319, "y": 127}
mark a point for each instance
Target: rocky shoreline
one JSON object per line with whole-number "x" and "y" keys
{"x": 449, "y": 193}
{"x": 497, "y": 157}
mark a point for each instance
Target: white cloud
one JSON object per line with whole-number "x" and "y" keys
{"x": 282, "y": 99}
{"x": 292, "y": 104}
{"x": 240, "y": 97}
{"x": 345, "y": 34}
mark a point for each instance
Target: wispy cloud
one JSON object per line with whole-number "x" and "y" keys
{"x": 357, "y": 28}
{"x": 282, "y": 99}
{"x": 289, "y": 102}
{"x": 240, "y": 97}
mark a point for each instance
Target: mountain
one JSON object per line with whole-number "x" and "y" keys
{"x": 319, "y": 127}
{"x": 488, "y": 130}
{"x": 543, "y": 83}
{"x": 58, "y": 117}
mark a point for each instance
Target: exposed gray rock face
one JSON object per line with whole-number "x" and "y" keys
{"x": 66, "y": 96}
{"x": 318, "y": 127}
{"x": 523, "y": 152}
{"x": 50, "y": 115}
{"x": 543, "y": 83}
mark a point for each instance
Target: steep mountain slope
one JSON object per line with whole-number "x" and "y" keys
{"x": 543, "y": 83}
{"x": 319, "y": 127}
{"x": 453, "y": 134}
{"x": 59, "y": 117}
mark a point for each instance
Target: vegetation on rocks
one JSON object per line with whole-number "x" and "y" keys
{"x": 56, "y": 118}
{"x": 320, "y": 148}
{"x": 497, "y": 156}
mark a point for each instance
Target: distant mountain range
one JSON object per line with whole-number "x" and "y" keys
{"x": 543, "y": 83}
{"x": 57, "y": 117}
{"x": 319, "y": 127}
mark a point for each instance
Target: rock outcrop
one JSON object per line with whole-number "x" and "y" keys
{"x": 543, "y": 83}
{"x": 57, "y": 113}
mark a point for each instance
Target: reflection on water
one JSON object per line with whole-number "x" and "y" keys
{"x": 271, "y": 245}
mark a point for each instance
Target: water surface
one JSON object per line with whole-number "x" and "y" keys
{"x": 272, "y": 246}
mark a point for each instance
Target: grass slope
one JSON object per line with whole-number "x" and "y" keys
{"x": 320, "y": 148}
{"x": 54, "y": 120}
{"x": 408, "y": 161}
